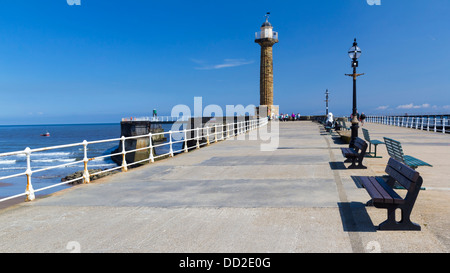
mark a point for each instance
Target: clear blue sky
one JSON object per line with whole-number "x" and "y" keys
{"x": 104, "y": 60}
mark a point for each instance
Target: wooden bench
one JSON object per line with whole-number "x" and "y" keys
{"x": 326, "y": 127}
{"x": 384, "y": 196}
{"x": 344, "y": 125}
{"x": 355, "y": 154}
{"x": 395, "y": 151}
{"x": 373, "y": 142}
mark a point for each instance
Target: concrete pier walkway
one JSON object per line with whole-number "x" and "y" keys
{"x": 233, "y": 197}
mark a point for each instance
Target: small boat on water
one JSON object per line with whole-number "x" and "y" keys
{"x": 47, "y": 134}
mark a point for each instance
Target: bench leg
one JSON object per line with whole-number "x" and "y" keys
{"x": 372, "y": 154}
{"x": 375, "y": 147}
{"x": 353, "y": 166}
{"x": 404, "y": 224}
{"x": 359, "y": 166}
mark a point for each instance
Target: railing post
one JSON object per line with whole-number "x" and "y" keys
{"x": 215, "y": 133}
{"x": 124, "y": 161}
{"x": 29, "y": 190}
{"x": 207, "y": 135}
{"x": 86, "y": 176}
{"x": 435, "y": 118}
{"x": 198, "y": 138}
{"x": 443, "y": 125}
{"x": 170, "y": 143}
{"x": 228, "y": 130}
{"x": 428, "y": 123}
{"x": 185, "y": 141}
{"x": 150, "y": 146}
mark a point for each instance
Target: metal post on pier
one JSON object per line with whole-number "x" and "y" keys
{"x": 124, "y": 161}
{"x": 185, "y": 141}
{"x": 29, "y": 190}
{"x": 170, "y": 144}
{"x": 435, "y": 123}
{"x": 86, "y": 176}
{"x": 150, "y": 146}
{"x": 443, "y": 125}
{"x": 215, "y": 133}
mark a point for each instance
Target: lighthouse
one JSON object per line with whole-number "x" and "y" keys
{"x": 266, "y": 38}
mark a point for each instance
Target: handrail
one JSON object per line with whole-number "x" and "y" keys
{"x": 434, "y": 123}
{"x": 231, "y": 130}
{"x": 158, "y": 119}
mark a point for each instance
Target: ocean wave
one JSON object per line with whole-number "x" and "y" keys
{"x": 52, "y": 154}
{"x": 46, "y": 154}
{"x": 53, "y": 160}
{"x": 13, "y": 168}
{"x": 4, "y": 162}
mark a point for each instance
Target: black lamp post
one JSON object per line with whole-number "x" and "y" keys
{"x": 354, "y": 53}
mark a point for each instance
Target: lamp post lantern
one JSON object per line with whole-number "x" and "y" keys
{"x": 354, "y": 53}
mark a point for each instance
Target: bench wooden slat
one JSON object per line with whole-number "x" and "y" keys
{"x": 406, "y": 171}
{"x": 397, "y": 199}
{"x": 380, "y": 192}
{"x": 372, "y": 190}
{"x": 376, "y": 142}
{"x": 349, "y": 152}
{"x": 414, "y": 162}
{"x": 398, "y": 177}
{"x": 394, "y": 148}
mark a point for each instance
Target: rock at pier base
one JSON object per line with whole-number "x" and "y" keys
{"x": 79, "y": 175}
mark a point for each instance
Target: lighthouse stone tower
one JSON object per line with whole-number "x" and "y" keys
{"x": 266, "y": 38}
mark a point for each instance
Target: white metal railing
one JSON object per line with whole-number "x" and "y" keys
{"x": 157, "y": 119}
{"x": 211, "y": 134}
{"x": 261, "y": 35}
{"x": 434, "y": 123}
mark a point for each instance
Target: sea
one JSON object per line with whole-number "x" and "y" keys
{"x": 18, "y": 137}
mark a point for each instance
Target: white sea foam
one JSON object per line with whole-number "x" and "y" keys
{"x": 4, "y": 162}
{"x": 53, "y": 160}
{"x": 51, "y": 154}
{"x": 13, "y": 168}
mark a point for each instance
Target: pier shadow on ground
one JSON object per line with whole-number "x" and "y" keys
{"x": 355, "y": 218}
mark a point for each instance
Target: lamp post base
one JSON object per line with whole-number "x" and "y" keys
{"x": 354, "y": 128}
